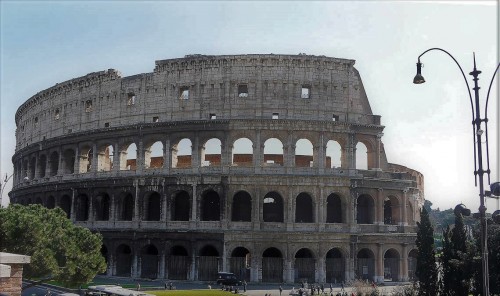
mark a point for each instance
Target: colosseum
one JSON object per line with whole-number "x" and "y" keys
{"x": 269, "y": 166}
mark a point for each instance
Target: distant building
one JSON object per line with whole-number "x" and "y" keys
{"x": 242, "y": 163}
{"x": 11, "y": 273}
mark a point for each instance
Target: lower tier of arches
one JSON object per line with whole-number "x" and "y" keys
{"x": 260, "y": 257}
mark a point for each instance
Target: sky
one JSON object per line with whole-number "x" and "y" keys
{"x": 427, "y": 127}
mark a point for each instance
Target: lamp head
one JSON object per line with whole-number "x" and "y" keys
{"x": 419, "y": 79}
{"x": 461, "y": 210}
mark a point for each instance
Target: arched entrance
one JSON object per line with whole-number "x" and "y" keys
{"x": 304, "y": 266}
{"x": 391, "y": 266}
{"x": 178, "y": 263}
{"x": 335, "y": 266}
{"x": 123, "y": 261}
{"x": 272, "y": 266}
{"x": 208, "y": 263}
{"x": 149, "y": 262}
{"x": 239, "y": 263}
{"x": 210, "y": 206}
{"x": 366, "y": 265}
{"x": 412, "y": 265}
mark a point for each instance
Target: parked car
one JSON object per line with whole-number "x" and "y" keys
{"x": 227, "y": 278}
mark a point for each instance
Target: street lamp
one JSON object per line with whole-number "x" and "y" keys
{"x": 3, "y": 187}
{"x": 477, "y": 133}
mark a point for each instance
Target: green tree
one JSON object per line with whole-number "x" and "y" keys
{"x": 59, "y": 250}
{"x": 426, "y": 270}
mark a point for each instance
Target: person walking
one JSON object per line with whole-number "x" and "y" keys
{"x": 244, "y": 285}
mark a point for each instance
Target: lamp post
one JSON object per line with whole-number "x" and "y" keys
{"x": 477, "y": 133}
{"x": 2, "y": 188}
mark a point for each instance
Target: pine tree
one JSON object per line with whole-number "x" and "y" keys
{"x": 426, "y": 270}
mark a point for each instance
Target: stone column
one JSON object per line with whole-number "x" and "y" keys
{"x": 403, "y": 213}
{"x": 60, "y": 166}
{"x": 320, "y": 270}
{"x": 378, "y": 151}
{"x": 258, "y": 152}
{"x": 76, "y": 165}
{"x": 112, "y": 207}
{"x": 94, "y": 158}
{"x": 116, "y": 158}
{"x": 195, "y": 154}
{"x": 289, "y": 272}
{"x": 379, "y": 266}
{"x": 404, "y": 264}
{"x": 73, "y": 206}
{"x": 136, "y": 202}
{"x": 379, "y": 207}
{"x": 167, "y": 157}
{"x": 194, "y": 208}
{"x": 36, "y": 174}
{"x": 161, "y": 273}
{"x": 320, "y": 154}
{"x": 135, "y": 264}
{"x": 139, "y": 162}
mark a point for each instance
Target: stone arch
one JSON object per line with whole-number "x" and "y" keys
{"x": 361, "y": 156}
{"x": 367, "y": 154}
{"x": 105, "y": 255}
{"x": 241, "y": 207}
{"x": 242, "y": 152}
{"x": 365, "y": 209}
{"x": 125, "y": 207}
{"x": 181, "y": 207}
{"x": 304, "y": 266}
{"x": 365, "y": 265}
{"x": 149, "y": 261}
{"x": 54, "y": 163}
{"x": 272, "y": 209}
{"x": 69, "y": 161}
{"x": 334, "y": 209}
{"x": 182, "y": 153}
{"x": 105, "y": 155}
{"x": 39, "y": 201}
{"x": 82, "y": 207}
{"x": 102, "y": 203}
{"x": 412, "y": 264}
{"x": 208, "y": 263}
{"x": 211, "y": 152}
{"x": 333, "y": 154}
{"x": 153, "y": 155}
{"x": 152, "y": 206}
{"x": 304, "y": 153}
{"x": 65, "y": 204}
{"x": 32, "y": 168}
{"x": 50, "y": 202}
{"x": 273, "y": 152}
{"x": 239, "y": 263}
{"x": 335, "y": 266}
{"x": 178, "y": 263}
{"x": 391, "y": 265}
{"x": 42, "y": 167}
{"x": 86, "y": 156}
{"x": 272, "y": 265}
{"x": 391, "y": 210}
{"x": 304, "y": 208}
{"x": 128, "y": 157}
{"x": 123, "y": 260}
{"x": 210, "y": 206}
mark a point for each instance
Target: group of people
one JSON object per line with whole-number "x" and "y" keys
{"x": 315, "y": 289}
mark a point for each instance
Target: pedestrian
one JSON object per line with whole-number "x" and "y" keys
{"x": 302, "y": 285}
{"x": 170, "y": 285}
{"x": 317, "y": 289}
{"x": 138, "y": 287}
{"x": 281, "y": 290}
{"x": 342, "y": 286}
{"x": 322, "y": 288}
{"x": 166, "y": 285}
{"x": 244, "y": 285}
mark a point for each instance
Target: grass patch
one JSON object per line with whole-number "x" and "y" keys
{"x": 204, "y": 292}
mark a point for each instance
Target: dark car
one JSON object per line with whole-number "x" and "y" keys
{"x": 227, "y": 278}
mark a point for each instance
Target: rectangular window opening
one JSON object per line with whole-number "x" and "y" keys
{"x": 184, "y": 93}
{"x": 306, "y": 92}
{"x": 88, "y": 106}
{"x": 213, "y": 116}
{"x": 131, "y": 99}
{"x": 106, "y": 124}
{"x": 335, "y": 117}
{"x": 243, "y": 91}
{"x": 275, "y": 115}
{"x": 156, "y": 119}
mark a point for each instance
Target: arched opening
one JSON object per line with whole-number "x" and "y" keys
{"x": 366, "y": 265}
{"x": 272, "y": 210}
{"x": 304, "y": 209}
{"x": 412, "y": 265}
{"x": 365, "y": 209}
{"x": 333, "y": 154}
{"x": 211, "y": 153}
{"x": 125, "y": 207}
{"x": 242, "y": 207}
{"x": 50, "y": 202}
{"x": 178, "y": 263}
{"x": 69, "y": 161}
{"x": 272, "y": 266}
{"x": 208, "y": 263}
{"x": 152, "y": 207}
{"x": 409, "y": 214}
{"x": 335, "y": 266}
{"x": 65, "y": 204}
{"x": 239, "y": 263}
{"x": 32, "y": 168}
{"x": 25, "y": 174}
{"x": 181, "y": 154}
{"x": 391, "y": 210}
{"x": 391, "y": 266}
{"x": 105, "y": 158}
{"x": 304, "y": 266}
{"x": 181, "y": 206}
{"x": 123, "y": 261}
{"x": 38, "y": 201}
{"x": 273, "y": 152}
{"x": 86, "y": 157}
{"x": 304, "y": 154}
{"x": 101, "y": 207}
{"x": 54, "y": 163}
{"x": 42, "y": 166}
{"x": 153, "y": 156}
{"x": 334, "y": 209}
{"x": 82, "y": 207}
{"x": 361, "y": 156}
{"x": 128, "y": 158}
{"x": 105, "y": 255}
{"x": 243, "y": 152}
{"x": 149, "y": 262}
{"x": 210, "y": 206}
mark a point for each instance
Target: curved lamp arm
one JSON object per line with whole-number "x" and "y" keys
{"x": 486, "y": 120}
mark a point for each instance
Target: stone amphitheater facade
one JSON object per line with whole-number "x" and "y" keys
{"x": 224, "y": 163}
